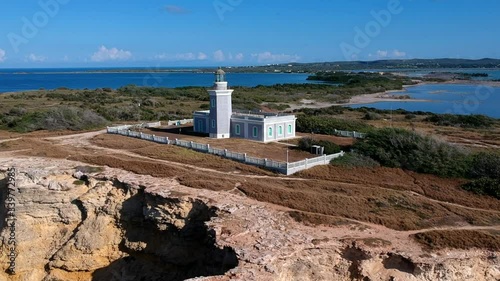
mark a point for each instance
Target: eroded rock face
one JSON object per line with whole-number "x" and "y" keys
{"x": 114, "y": 225}
{"x": 109, "y": 230}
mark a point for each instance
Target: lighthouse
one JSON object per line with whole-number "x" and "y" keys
{"x": 220, "y": 107}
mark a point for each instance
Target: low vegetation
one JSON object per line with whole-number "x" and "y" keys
{"x": 464, "y": 121}
{"x": 380, "y": 81}
{"x": 324, "y": 124}
{"x": 306, "y": 144}
{"x": 354, "y": 159}
{"x": 459, "y": 239}
{"x": 57, "y": 118}
{"x": 409, "y": 150}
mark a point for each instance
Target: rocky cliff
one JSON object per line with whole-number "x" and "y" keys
{"x": 75, "y": 222}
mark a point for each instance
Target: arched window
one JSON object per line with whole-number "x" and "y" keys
{"x": 255, "y": 131}
{"x": 270, "y": 131}
{"x": 237, "y": 129}
{"x": 290, "y": 129}
{"x": 213, "y": 123}
{"x": 200, "y": 126}
{"x": 212, "y": 102}
{"x": 280, "y": 130}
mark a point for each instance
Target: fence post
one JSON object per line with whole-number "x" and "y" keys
{"x": 191, "y": 144}
{"x": 176, "y": 141}
{"x": 245, "y": 157}
{"x": 225, "y": 152}
{"x": 208, "y": 148}
{"x": 306, "y": 163}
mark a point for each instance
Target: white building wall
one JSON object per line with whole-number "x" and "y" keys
{"x": 274, "y": 123}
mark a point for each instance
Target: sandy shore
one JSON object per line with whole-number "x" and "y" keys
{"x": 386, "y": 96}
{"x": 361, "y": 99}
{"x": 378, "y": 97}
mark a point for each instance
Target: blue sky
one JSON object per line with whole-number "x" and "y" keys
{"x": 79, "y": 33}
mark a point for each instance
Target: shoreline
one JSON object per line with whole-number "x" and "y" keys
{"x": 379, "y": 97}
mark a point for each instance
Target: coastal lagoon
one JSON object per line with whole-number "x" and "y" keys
{"x": 446, "y": 98}
{"x": 34, "y": 79}
{"x": 440, "y": 98}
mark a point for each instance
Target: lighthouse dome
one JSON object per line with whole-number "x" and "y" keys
{"x": 220, "y": 75}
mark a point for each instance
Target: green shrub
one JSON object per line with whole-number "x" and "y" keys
{"x": 410, "y": 116}
{"x": 305, "y": 144}
{"x": 484, "y": 186}
{"x": 485, "y": 164}
{"x": 408, "y": 150}
{"x": 372, "y": 116}
{"x": 353, "y": 159}
{"x": 58, "y": 118}
{"x": 327, "y": 125}
{"x": 466, "y": 121}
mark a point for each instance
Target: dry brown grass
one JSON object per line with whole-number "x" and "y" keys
{"x": 459, "y": 239}
{"x": 273, "y": 150}
{"x": 175, "y": 154}
{"x": 185, "y": 176}
{"x": 392, "y": 208}
{"x": 371, "y": 195}
{"x": 312, "y": 219}
{"x": 434, "y": 187}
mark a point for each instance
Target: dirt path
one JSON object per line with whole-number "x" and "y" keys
{"x": 356, "y": 230}
{"x": 7, "y": 140}
{"x": 83, "y": 140}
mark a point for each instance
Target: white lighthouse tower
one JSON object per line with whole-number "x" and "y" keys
{"x": 220, "y": 107}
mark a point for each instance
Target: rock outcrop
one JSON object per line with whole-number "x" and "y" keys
{"x": 109, "y": 224}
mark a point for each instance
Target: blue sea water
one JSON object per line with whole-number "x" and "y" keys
{"x": 34, "y": 79}
{"x": 447, "y": 98}
{"x": 443, "y": 98}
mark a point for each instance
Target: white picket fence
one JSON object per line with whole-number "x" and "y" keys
{"x": 281, "y": 167}
{"x": 350, "y": 134}
{"x": 180, "y": 122}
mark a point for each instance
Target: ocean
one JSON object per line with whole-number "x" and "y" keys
{"x": 444, "y": 98}
{"x": 447, "y": 98}
{"x": 15, "y": 80}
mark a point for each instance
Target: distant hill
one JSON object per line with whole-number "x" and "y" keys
{"x": 378, "y": 64}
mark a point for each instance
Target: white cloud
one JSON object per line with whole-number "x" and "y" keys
{"x": 34, "y": 58}
{"x": 185, "y": 56}
{"x": 270, "y": 57}
{"x": 105, "y": 54}
{"x": 382, "y": 54}
{"x": 2, "y": 55}
{"x": 398, "y": 54}
{"x": 202, "y": 56}
{"x": 239, "y": 56}
{"x": 386, "y": 54}
{"x": 181, "y": 56}
{"x": 219, "y": 55}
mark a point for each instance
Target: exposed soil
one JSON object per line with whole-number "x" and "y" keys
{"x": 326, "y": 195}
